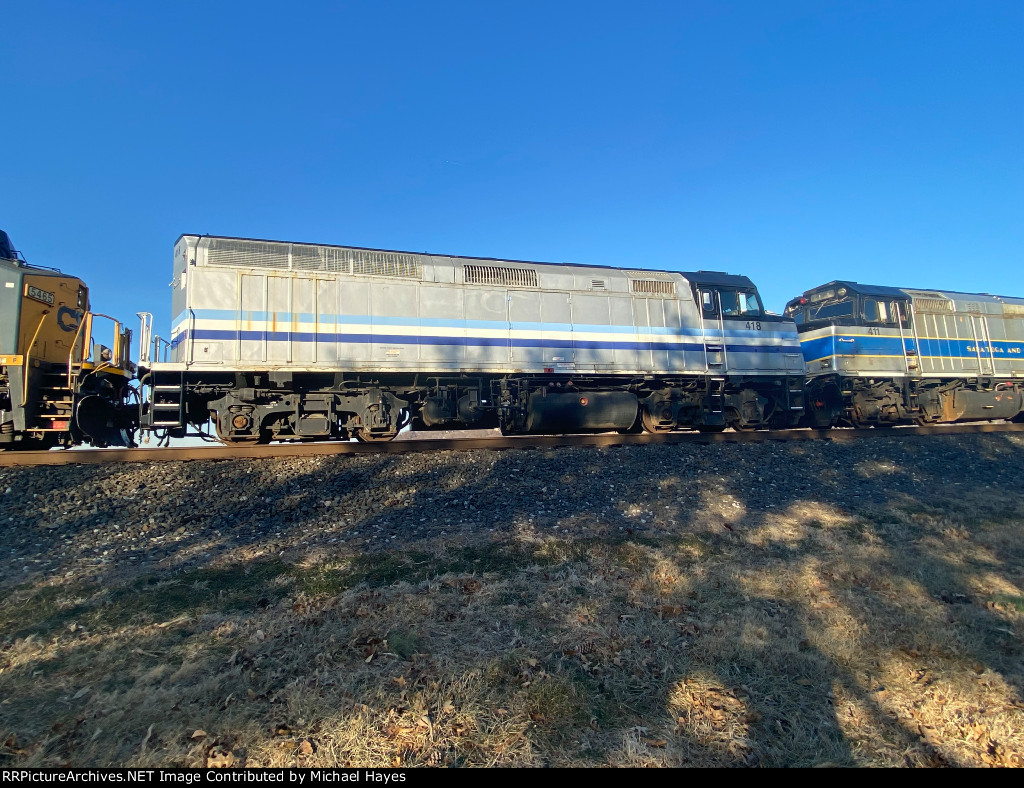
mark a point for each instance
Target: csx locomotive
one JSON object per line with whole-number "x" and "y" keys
{"x": 57, "y": 384}
{"x": 290, "y": 341}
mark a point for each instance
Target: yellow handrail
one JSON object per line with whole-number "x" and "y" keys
{"x": 87, "y": 321}
{"x": 116, "y": 351}
{"x": 71, "y": 356}
{"x": 28, "y": 352}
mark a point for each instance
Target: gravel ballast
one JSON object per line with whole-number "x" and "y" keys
{"x": 112, "y": 521}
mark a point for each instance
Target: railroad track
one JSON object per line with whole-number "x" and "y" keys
{"x": 406, "y": 446}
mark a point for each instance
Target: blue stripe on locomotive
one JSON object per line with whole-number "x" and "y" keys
{"x": 870, "y": 345}
{"x": 499, "y": 325}
{"x": 301, "y": 336}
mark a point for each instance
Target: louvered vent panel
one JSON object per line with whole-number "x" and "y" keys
{"x": 661, "y": 276}
{"x": 367, "y": 263}
{"x": 247, "y": 254}
{"x": 499, "y": 275}
{"x": 652, "y": 287}
{"x": 971, "y": 306}
{"x": 1013, "y": 310}
{"x": 597, "y": 284}
{"x": 321, "y": 258}
{"x": 933, "y": 305}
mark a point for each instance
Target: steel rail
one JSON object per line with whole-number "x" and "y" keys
{"x": 328, "y": 448}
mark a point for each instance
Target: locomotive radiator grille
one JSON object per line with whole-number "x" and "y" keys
{"x": 500, "y": 275}
{"x": 247, "y": 254}
{"x": 933, "y": 305}
{"x": 652, "y": 287}
{"x": 237, "y": 253}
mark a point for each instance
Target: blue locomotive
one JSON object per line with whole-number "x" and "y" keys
{"x": 289, "y": 341}
{"x": 879, "y": 356}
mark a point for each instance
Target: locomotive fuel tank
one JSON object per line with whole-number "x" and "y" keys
{"x": 549, "y": 411}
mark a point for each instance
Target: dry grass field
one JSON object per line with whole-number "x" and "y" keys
{"x": 728, "y": 605}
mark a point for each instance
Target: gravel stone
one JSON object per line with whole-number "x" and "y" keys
{"x": 112, "y": 521}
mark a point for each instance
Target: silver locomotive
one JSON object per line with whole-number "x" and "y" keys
{"x": 290, "y": 341}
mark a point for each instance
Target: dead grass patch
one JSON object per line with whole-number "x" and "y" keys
{"x": 815, "y": 631}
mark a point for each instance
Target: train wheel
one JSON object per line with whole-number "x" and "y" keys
{"x": 651, "y": 424}
{"x": 365, "y": 436}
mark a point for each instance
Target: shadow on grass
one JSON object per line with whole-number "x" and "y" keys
{"x": 721, "y": 665}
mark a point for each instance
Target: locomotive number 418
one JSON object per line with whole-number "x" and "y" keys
{"x": 754, "y": 325}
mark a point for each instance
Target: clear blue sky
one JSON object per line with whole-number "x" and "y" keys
{"x": 794, "y": 142}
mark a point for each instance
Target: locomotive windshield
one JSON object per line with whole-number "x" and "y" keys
{"x": 739, "y": 303}
{"x": 842, "y": 307}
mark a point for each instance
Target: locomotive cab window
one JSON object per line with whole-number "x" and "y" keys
{"x": 734, "y": 303}
{"x": 899, "y": 311}
{"x": 740, "y": 303}
{"x": 880, "y": 312}
{"x": 836, "y": 309}
{"x": 876, "y": 311}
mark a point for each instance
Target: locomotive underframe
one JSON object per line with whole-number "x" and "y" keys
{"x": 96, "y": 407}
{"x": 283, "y": 405}
{"x": 834, "y": 400}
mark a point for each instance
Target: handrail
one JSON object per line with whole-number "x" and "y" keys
{"x": 116, "y": 352}
{"x": 158, "y": 342}
{"x": 152, "y": 347}
{"x": 703, "y": 333}
{"x": 74, "y": 344}
{"x": 28, "y": 352}
{"x": 903, "y": 338}
{"x": 191, "y": 350}
{"x": 146, "y": 331}
{"x": 988, "y": 341}
{"x": 977, "y": 347}
{"x": 721, "y": 327}
{"x": 917, "y": 338}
